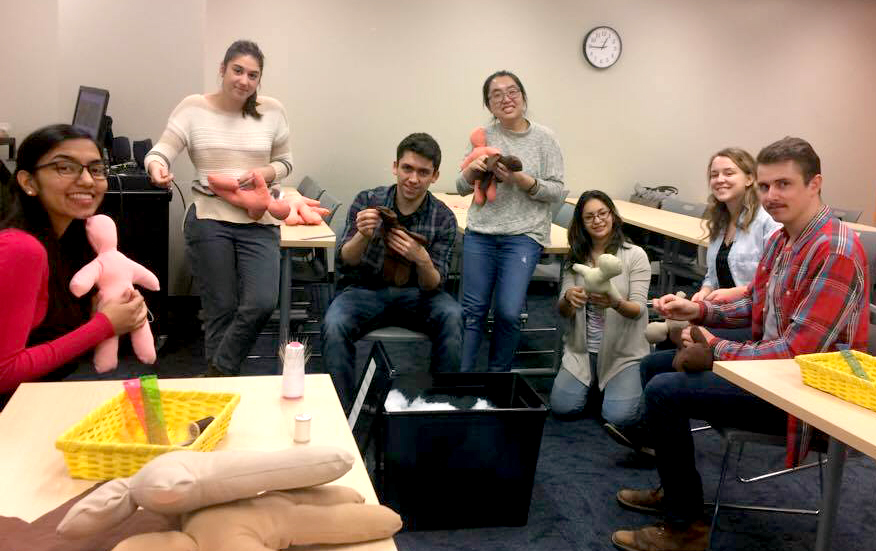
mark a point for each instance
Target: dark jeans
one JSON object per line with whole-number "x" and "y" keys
{"x": 500, "y": 265}
{"x": 237, "y": 268}
{"x": 672, "y": 399}
{"x": 357, "y": 311}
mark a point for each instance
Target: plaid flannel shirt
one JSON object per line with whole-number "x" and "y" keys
{"x": 821, "y": 300}
{"x": 433, "y": 219}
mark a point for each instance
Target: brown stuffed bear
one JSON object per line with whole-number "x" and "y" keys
{"x": 396, "y": 268}
{"x": 695, "y": 358}
{"x": 488, "y": 179}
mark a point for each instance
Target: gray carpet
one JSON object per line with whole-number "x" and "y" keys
{"x": 579, "y": 468}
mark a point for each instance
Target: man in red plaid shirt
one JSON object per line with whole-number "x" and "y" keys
{"x": 810, "y": 294}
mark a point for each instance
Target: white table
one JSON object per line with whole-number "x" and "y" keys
{"x": 35, "y": 478}
{"x": 779, "y": 382}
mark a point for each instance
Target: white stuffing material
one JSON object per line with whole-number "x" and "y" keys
{"x": 396, "y": 401}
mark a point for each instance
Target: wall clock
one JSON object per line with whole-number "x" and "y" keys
{"x": 602, "y": 47}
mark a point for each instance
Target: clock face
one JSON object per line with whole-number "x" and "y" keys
{"x": 602, "y": 47}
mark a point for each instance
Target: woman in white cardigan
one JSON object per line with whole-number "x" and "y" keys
{"x": 606, "y": 337}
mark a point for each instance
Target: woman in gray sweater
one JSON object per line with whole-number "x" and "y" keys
{"x": 606, "y": 338}
{"x": 504, "y": 238}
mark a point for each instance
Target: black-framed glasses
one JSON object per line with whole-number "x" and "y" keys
{"x": 591, "y": 217}
{"x": 72, "y": 169}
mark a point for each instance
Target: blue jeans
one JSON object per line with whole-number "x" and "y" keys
{"x": 502, "y": 264}
{"x": 357, "y": 311}
{"x": 620, "y": 403}
{"x": 237, "y": 268}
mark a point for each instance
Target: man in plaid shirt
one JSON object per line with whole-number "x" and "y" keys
{"x": 368, "y": 301}
{"x": 810, "y": 294}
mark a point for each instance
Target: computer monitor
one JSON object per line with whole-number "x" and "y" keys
{"x": 90, "y": 112}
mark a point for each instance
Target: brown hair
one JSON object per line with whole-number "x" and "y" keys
{"x": 237, "y": 49}
{"x": 717, "y": 214}
{"x": 792, "y": 149}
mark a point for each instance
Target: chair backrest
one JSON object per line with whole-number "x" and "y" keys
{"x": 683, "y": 207}
{"x": 563, "y": 216}
{"x": 845, "y": 215}
{"x": 328, "y": 202}
{"x": 868, "y": 242}
{"x": 555, "y": 207}
{"x": 309, "y": 188}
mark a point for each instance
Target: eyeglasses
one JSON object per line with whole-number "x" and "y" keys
{"x": 602, "y": 215}
{"x": 73, "y": 170}
{"x": 498, "y": 96}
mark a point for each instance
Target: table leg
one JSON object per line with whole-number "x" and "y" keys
{"x": 285, "y": 299}
{"x": 836, "y": 458}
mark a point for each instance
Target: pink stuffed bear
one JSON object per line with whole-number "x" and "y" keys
{"x": 486, "y": 190}
{"x": 113, "y": 273}
{"x": 304, "y": 210}
{"x": 255, "y": 201}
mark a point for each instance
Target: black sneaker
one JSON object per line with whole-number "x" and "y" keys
{"x": 628, "y": 437}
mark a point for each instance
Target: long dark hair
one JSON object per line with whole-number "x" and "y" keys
{"x": 237, "y": 49}
{"x": 67, "y": 253}
{"x": 580, "y": 242}
{"x": 502, "y": 73}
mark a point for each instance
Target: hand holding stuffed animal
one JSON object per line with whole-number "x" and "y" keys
{"x": 695, "y": 358}
{"x": 396, "y": 268}
{"x": 485, "y": 181}
{"x": 255, "y": 201}
{"x": 658, "y": 331}
{"x": 598, "y": 279}
{"x": 113, "y": 273}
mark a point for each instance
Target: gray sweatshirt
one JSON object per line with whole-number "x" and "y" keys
{"x": 516, "y": 212}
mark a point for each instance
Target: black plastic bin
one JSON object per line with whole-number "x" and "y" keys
{"x": 464, "y": 468}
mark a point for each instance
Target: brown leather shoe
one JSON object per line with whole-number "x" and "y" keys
{"x": 644, "y": 501}
{"x": 662, "y": 537}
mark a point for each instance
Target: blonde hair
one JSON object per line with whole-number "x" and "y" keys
{"x": 717, "y": 214}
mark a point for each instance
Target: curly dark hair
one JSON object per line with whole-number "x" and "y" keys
{"x": 580, "y": 242}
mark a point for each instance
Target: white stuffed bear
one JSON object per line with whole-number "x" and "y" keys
{"x": 658, "y": 331}
{"x": 598, "y": 279}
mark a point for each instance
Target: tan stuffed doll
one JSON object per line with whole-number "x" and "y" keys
{"x": 396, "y": 268}
{"x": 237, "y": 500}
{"x": 598, "y": 279}
{"x": 658, "y": 331}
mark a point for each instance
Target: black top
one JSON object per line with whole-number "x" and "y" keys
{"x": 725, "y": 278}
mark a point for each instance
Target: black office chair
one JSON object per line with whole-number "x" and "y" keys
{"x": 680, "y": 259}
{"x": 846, "y": 215}
{"x": 309, "y": 188}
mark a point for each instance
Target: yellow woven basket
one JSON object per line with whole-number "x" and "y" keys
{"x": 92, "y": 449}
{"x": 830, "y": 372}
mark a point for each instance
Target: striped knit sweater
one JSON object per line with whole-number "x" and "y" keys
{"x": 219, "y": 142}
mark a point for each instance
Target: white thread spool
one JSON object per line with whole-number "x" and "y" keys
{"x": 293, "y": 370}
{"x": 302, "y": 428}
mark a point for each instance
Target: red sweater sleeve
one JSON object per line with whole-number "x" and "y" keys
{"x": 24, "y": 276}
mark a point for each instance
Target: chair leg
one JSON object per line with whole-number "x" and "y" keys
{"x": 781, "y": 472}
{"x": 724, "y": 465}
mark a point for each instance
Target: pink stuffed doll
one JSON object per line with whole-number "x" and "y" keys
{"x": 484, "y": 189}
{"x": 304, "y": 210}
{"x": 255, "y": 201}
{"x": 113, "y": 273}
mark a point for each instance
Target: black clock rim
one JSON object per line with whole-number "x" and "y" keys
{"x": 620, "y": 43}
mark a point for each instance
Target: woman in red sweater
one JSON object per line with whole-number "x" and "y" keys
{"x": 59, "y": 180}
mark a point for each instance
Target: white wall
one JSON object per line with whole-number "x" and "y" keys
{"x": 355, "y": 77}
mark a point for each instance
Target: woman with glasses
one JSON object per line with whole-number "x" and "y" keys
{"x": 59, "y": 180}
{"x": 606, "y": 337}
{"x": 234, "y": 259}
{"x": 504, "y": 238}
